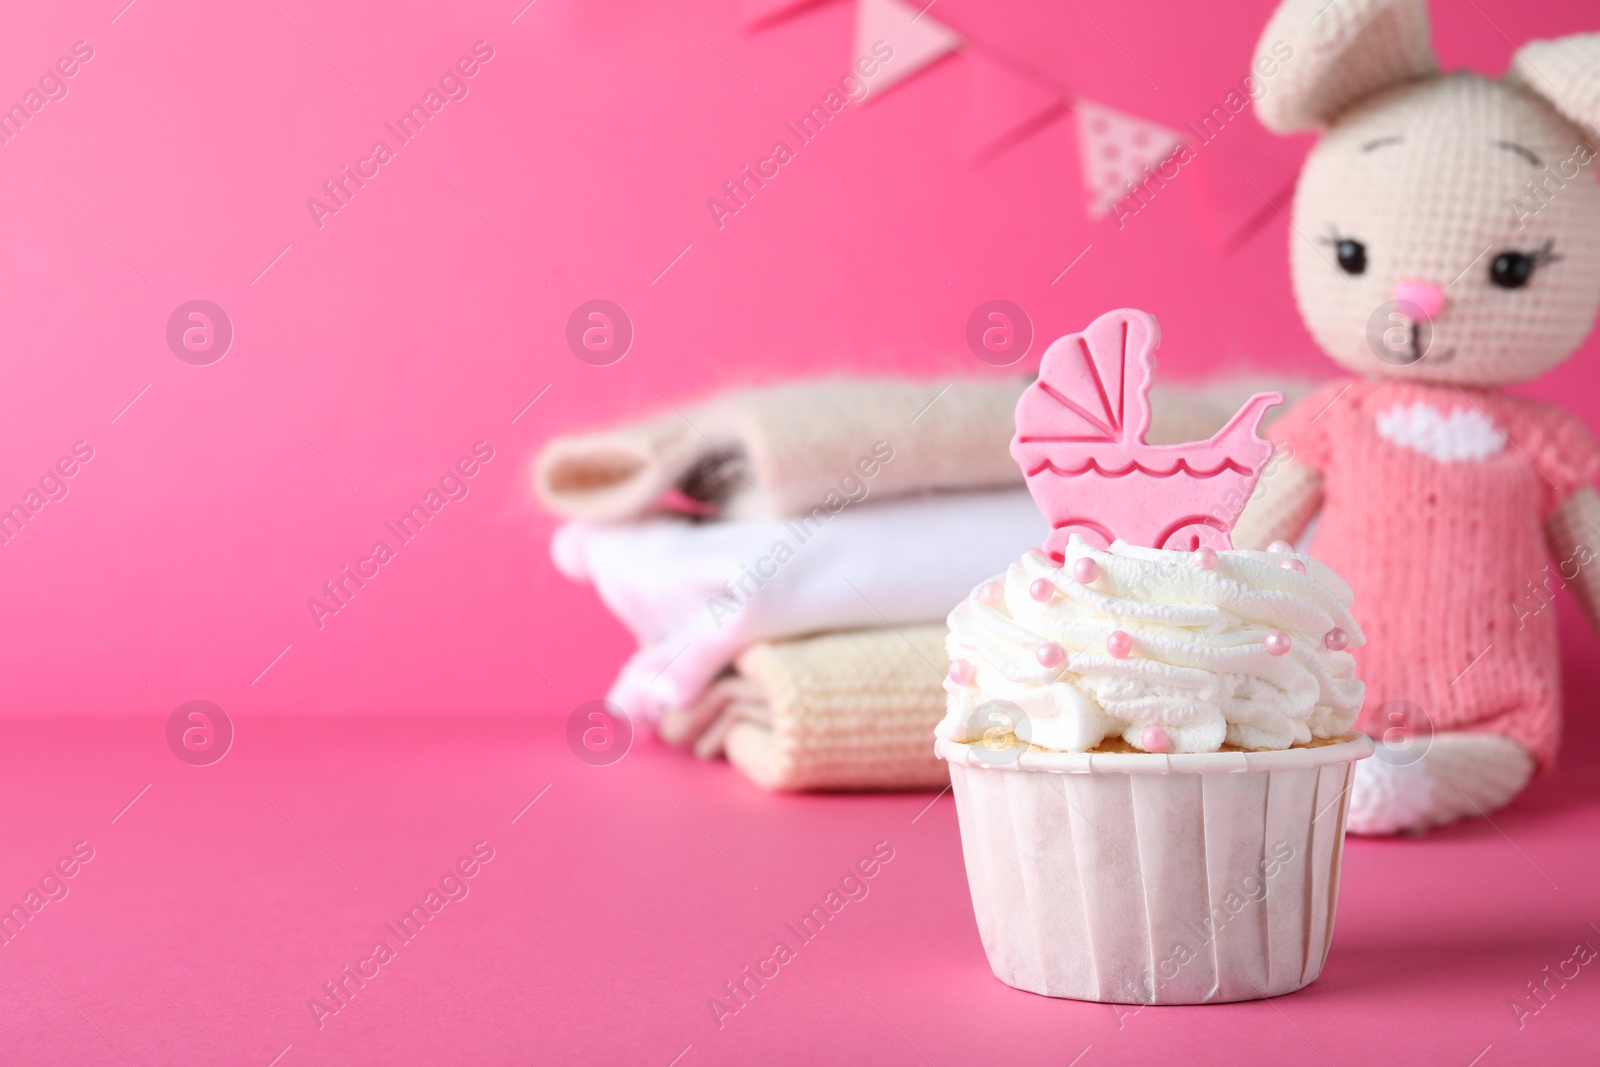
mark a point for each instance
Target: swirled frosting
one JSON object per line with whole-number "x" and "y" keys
{"x": 1199, "y": 665}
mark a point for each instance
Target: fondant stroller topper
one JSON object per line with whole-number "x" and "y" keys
{"x": 1080, "y": 443}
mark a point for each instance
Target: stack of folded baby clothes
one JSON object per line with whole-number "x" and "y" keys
{"x": 786, "y": 556}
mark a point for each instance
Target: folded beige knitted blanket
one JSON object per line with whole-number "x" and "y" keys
{"x": 840, "y": 711}
{"x": 778, "y": 451}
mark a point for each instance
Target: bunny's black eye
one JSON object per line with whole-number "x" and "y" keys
{"x": 1352, "y": 256}
{"x": 1513, "y": 270}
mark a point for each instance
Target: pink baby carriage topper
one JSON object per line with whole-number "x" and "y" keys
{"x": 1080, "y": 443}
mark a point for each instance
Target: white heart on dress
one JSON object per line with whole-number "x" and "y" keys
{"x": 1465, "y": 434}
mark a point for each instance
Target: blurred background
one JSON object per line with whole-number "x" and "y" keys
{"x": 373, "y": 346}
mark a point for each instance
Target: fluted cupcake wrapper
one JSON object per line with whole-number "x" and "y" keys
{"x": 1142, "y": 879}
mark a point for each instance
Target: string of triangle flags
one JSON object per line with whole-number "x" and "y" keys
{"x": 1118, "y": 152}
{"x": 1003, "y": 105}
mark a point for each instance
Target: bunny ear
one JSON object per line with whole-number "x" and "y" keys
{"x": 1565, "y": 72}
{"x": 1318, "y": 57}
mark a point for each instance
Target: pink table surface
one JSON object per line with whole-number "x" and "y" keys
{"x": 372, "y": 351}
{"x": 620, "y": 902}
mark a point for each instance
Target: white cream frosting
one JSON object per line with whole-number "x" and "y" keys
{"x": 1199, "y": 666}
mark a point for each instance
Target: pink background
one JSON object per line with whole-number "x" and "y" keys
{"x": 425, "y": 317}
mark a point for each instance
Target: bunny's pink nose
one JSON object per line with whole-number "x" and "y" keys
{"x": 1427, "y": 297}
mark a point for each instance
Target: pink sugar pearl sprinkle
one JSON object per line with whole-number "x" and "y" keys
{"x": 1280, "y": 546}
{"x": 1277, "y": 642}
{"x": 1118, "y": 644}
{"x": 962, "y": 672}
{"x": 1051, "y": 654}
{"x": 1155, "y": 739}
{"x": 1293, "y": 565}
{"x": 1042, "y": 589}
{"x": 1205, "y": 559}
{"x": 1085, "y": 570}
{"x": 1336, "y": 639}
{"x": 991, "y": 593}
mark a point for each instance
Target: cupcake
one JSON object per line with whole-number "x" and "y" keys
{"x": 1149, "y": 732}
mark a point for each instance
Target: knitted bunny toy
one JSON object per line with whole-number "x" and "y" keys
{"x": 1445, "y": 243}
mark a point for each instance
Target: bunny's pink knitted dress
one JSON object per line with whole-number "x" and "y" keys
{"x": 1434, "y": 509}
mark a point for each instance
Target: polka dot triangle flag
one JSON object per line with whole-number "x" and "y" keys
{"x": 1113, "y": 149}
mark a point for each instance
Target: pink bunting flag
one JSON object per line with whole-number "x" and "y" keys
{"x": 1003, "y": 105}
{"x": 916, "y": 37}
{"x": 1080, "y": 444}
{"x": 1113, "y": 147}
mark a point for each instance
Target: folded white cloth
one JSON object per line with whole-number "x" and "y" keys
{"x": 697, "y": 595}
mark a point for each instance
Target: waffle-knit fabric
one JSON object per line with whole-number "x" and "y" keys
{"x": 1447, "y": 557}
{"x": 853, "y": 710}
